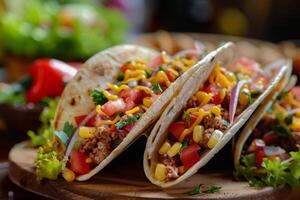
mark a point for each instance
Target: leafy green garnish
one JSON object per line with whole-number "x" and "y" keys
{"x": 288, "y": 119}
{"x": 148, "y": 73}
{"x": 214, "y": 189}
{"x": 282, "y": 95}
{"x": 196, "y": 190}
{"x": 185, "y": 143}
{"x": 160, "y": 68}
{"x": 47, "y": 164}
{"x": 250, "y": 99}
{"x": 134, "y": 118}
{"x": 68, "y": 129}
{"x": 279, "y": 116}
{"x": 120, "y": 77}
{"x": 98, "y": 97}
{"x": 187, "y": 118}
{"x": 256, "y": 93}
{"x": 156, "y": 87}
{"x": 282, "y": 130}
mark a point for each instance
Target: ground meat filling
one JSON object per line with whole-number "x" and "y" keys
{"x": 214, "y": 123}
{"x": 98, "y": 147}
{"x": 171, "y": 164}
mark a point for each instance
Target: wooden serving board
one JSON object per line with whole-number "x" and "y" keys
{"x": 127, "y": 181}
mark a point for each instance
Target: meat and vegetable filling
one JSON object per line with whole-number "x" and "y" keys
{"x": 119, "y": 107}
{"x": 207, "y": 115}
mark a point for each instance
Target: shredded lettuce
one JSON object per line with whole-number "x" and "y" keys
{"x": 273, "y": 173}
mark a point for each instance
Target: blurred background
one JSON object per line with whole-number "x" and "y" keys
{"x": 38, "y": 37}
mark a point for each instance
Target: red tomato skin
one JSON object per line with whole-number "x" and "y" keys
{"x": 193, "y": 118}
{"x": 91, "y": 122}
{"x": 156, "y": 62}
{"x": 176, "y": 128}
{"x": 259, "y": 158}
{"x": 216, "y": 97}
{"x": 189, "y": 156}
{"x": 296, "y": 93}
{"x": 78, "y": 162}
{"x": 79, "y": 119}
{"x": 112, "y": 107}
{"x": 171, "y": 76}
{"x": 128, "y": 127}
{"x": 129, "y": 105}
{"x": 271, "y": 138}
{"x": 134, "y": 95}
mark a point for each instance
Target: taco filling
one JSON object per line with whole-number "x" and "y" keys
{"x": 207, "y": 116}
{"x": 271, "y": 149}
{"x": 119, "y": 106}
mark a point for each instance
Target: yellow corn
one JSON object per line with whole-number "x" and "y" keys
{"x": 244, "y": 97}
{"x": 173, "y": 71}
{"x": 88, "y": 160}
{"x": 203, "y": 97}
{"x": 198, "y": 133}
{"x": 216, "y": 110}
{"x": 223, "y": 81}
{"x": 68, "y": 175}
{"x": 295, "y": 126}
{"x": 109, "y": 96}
{"x": 99, "y": 110}
{"x": 162, "y": 77}
{"x": 164, "y": 148}
{"x": 214, "y": 138}
{"x": 187, "y": 62}
{"x": 223, "y": 93}
{"x": 147, "y": 102}
{"x": 174, "y": 149}
{"x": 86, "y": 132}
{"x": 132, "y": 111}
{"x": 160, "y": 172}
{"x": 108, "y": 122}
{"x": 231, "y": 77}
{"x": 181, "y": 169}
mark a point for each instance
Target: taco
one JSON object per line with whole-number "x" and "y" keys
{"x": 204, "y": 116}
{"x": 267, "y": 151}
{"x": 115, "y": 97}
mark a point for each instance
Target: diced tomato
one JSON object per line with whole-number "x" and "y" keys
{"x": 215, "y": 91}
{"x": 156, "y": 62}
{"x": 125, "y": 67}
{"x": 112, "y": 107}
{"x": 189, "y": 156}
{"x": 259, "y": 158}
{"x": 171, "y": 76}
{"x": 134, "y": 95}
{"x": 129, "y": 104}
{"x": 248, "y": 64}
{"x": 78, "y": 162}
{"x": 271, "y": 138}
{"x": 191, "y": 122}
{"x": 176, "y": 128}
{"x": 91, "y": 122}
{"x": 256, "y": 145}
{"x": 284, "y": 156}
{"x": 296, "y": 93}
{"x": 129, "y": 126}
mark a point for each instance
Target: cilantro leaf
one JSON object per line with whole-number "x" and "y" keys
{"x": 282, "y": 130}
{"x": 156, "y": 87}
{"x": 288, "y": 119}
{"x": 185, "y": 144}
{"x": 196, "y": 190}
{"x": 282, "y": 95}
{"x": 119, "y": 125}
{"x": 214, "y": 189}
{"x": 120, "y": 77}
{"x": 187, "y": 118}
{"x": 160, "y": 68}
{"x": 255, "y": 93}
{"x": 98, "y": 97}
{"x": 68, "y": 129}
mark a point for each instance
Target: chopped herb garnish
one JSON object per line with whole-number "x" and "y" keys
{"x": 282, "y": 95}
{"x": 256, "y": 93}
{"x": 282, "y": 130}
{"x": 98, "y": 97}
{"x": 121, "y": 124}
{"x": 214, "y": 189}
{"x": 250, "y": 99}
{"x": 148, "y": 73}
{"x": 288, "y": 119}
{"x": 196, "y": 190}
{"x": 160, "y": 68}
{"x": 120, "y": 77}
{"x": 156, "y": 87}
{"x": 185, "y": 144}
{"x": 187, "y": 118}
{"x": 68, "y": 129}
{"x": 279, "y": 116}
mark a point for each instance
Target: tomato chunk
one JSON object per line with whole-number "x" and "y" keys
{"x": 189, "y": 156}
{"x": 296, "y": 93}
{"x": 259, "y": 158}
{"x": 134, "y": 95}
{"x": 176, "y": 128}
{"x": 216, "y": 96}
{"x": 112, "y": 107}
{"x": 78, "y": 162}
{"x": 171, "y": 76}
{"x": 156, "y": 62}
{"x": 271, "y": 138}
{"x": 190, "y": 122}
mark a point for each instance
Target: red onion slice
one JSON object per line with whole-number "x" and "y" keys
{"x": 234, "y": 97}
{"x": 75, "y": 135}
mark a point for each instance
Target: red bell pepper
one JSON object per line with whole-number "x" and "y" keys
{"x": 48, "y": 78}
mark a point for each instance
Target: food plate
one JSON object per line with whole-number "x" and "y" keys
{"x": 128, "y": 182}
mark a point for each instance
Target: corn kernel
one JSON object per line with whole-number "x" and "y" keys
{"x": 160, "y": 172}
{"x": 181, "y": 169}
{"x": 147, "y": 102}
{"x": 174, "y": 149}
{"x": 244, "y": 97}
{"x": 164, "y": 148}
{"x": 86, "y": 132}
{"x": 214, "y": 138}
{"x": 68, "y": 175}
{"x": 216, "y": 110}
{"x": 198, "y": 133}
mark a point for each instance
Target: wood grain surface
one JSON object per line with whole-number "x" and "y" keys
{"x": 127, "y": 181}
